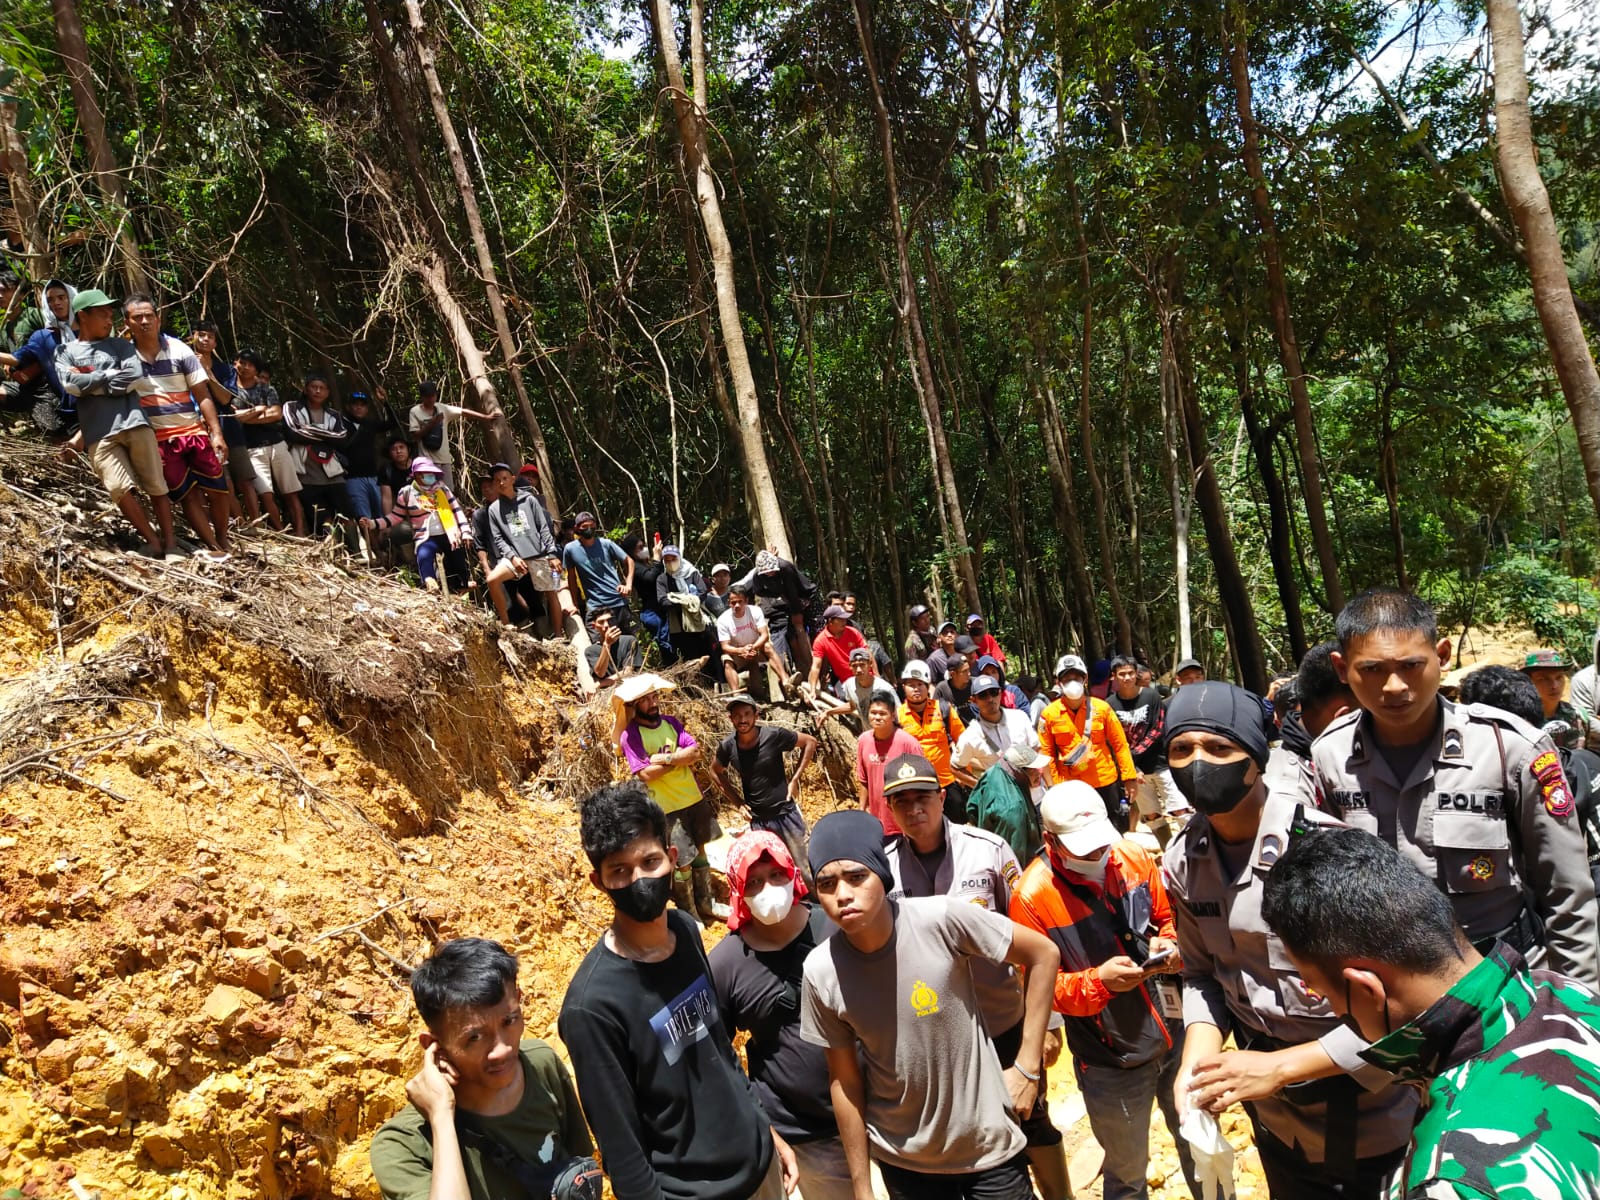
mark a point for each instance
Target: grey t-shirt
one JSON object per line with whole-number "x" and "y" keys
{"x": 101, "y": 375}
{"x": 935, "y": 1099}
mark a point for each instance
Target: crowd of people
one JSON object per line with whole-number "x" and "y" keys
{"x": 1362, "y": 906}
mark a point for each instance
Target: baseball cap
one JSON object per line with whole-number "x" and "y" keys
{"x": 861, "y": 654}
{"x": 1540, "y": 660}
{"x": 1188, "y": 664}
{"x": 949, "y": 625}
{"x": 1076, "y": 814}
{"x": 1024, "y": 757}
{"x": 585, "y": 518}
{"x": 973, "y": 617}
{"x": 493, "y": 467}
{"x": 986, "y": 661}
{"x": 90, "y": 298}
{"x": 916, "y": 669}
{"x": 528, "y": 469}
{"x": 741, "y": 698}
{"x": 983, "y": 685}
{"x": 918, "y": 610}
{"x": 1070, "y": 662}
{"x": 835, "y": 612}
{"x": 722, "y": 567}
{"x": 670, "y": 552}
{"x": 914, "y": 771}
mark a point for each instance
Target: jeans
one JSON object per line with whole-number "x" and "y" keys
{"x": 365, "y": 499}
{"x": 656, "y": 623}
{"x": 1009, "y": 1181}
{"x": 824, "y": 1173}
{"x": 1118, "y": 1102}
{"x": 1291, "y": 1177}
{"x": 430, "y": 550}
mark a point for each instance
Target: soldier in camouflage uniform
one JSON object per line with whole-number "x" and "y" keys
{"x": 1548, "y": 669}
{"x": 1507, "y": 1059}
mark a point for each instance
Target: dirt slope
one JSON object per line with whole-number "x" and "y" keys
{"x": 234, "y": 801}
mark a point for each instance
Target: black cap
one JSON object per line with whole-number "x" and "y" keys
{"x": 909, "y": 771}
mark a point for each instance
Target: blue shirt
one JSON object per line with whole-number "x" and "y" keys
{"x": 41, "y": 348}
{"x": 599, "y": 577}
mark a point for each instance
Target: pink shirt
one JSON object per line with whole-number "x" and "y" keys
{"x": 869, "y": 771}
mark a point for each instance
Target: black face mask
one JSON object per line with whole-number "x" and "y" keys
{"x": 1213, "y": 787}
{"x": 643, "y": 900}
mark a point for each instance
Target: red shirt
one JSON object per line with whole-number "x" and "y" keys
{"x": 835, "y": 651}
{"x": 869, "y": 771}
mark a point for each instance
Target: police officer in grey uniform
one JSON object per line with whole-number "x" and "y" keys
{"x": 1327, "y": 1124}
{"x": 1472, "y": 795}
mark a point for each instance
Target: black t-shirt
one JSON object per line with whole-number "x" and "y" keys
{"x": 762, "y": 769}
{"x": 1144, "y": 720}
{"x": 480, "y": 530}
{"x": 661, "y": 1086}
{"x": 362, "y": 450}
{"x": 645, "y": 573}
{"x": 394, "y": 478}
{"x": 959, "y": 699}
{"x": 760, "y": 991}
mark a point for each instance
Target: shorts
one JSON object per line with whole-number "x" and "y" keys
{"x": 276, "y": 469}
{"x": 243, "y": 468}
{"x": 127, "y": 460}
{"x": 364, "y": 497}
{"x": 790, "y": 826}
{"x": 689, "y": 829}
{"x": 544, "y": 577}
{"x": 190, "y": 460}
{"x": 1157, "y": 795}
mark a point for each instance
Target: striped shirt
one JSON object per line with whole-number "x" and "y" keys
{"x": 164, "y": 392}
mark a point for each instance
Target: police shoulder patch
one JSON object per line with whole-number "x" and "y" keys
{"x": 1546, "y": 768}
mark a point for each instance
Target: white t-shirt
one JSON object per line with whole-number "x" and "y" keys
{"x": 418, "y": 417}
{"x": 741, "y": 632}
{"x": 980, "y": 745}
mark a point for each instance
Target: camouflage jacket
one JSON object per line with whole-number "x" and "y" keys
{"x": 1509, "y": 1066}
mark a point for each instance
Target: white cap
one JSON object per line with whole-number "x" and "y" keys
{"x": 916, "y": 669}
{"x": 1023, "y": 757}
{"x": 721, "y": 567}
{"x": 1076, "y": 814}
{"x": 1070, "y": 662}
{"x": 636, "y": 687}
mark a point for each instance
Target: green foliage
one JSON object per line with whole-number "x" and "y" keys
{"x": 1526, "y": 590}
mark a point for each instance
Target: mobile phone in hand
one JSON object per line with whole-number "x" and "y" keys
{"x": 1159, "y": 958}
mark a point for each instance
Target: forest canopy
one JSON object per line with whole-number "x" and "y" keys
{"x": 1159, "y": 326}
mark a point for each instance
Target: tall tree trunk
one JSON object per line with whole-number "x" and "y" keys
{"x": 1282, "y": 317}
{"x": 923, "y": 379}
{"x": 1080, "y": 595}
{"x": 405, "y": 124}
{"x": 1280, "y": 540}
{"x": 691, "y": 115}
{"x": 431, "y": 271}
{"x": 1232, "y": 590}
{"x": 74, "y": 51}
{"x": 1530, "y": 208}
{"x": 1175, "y": 466}
{"x": 19, "y": 185}
{"x": 480, "y": 246}
{"x": 1108, "y": 561}
{"x": 1388, "y": 464}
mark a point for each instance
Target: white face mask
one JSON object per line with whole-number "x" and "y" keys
{"x": 1089, "y": 868}
{"x": 772, "y": 903}
{"x": 1072, "y": 690}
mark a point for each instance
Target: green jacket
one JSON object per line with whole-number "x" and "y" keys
{"x": 1509, "y": 1064}
{"x": 1003, "y": 806}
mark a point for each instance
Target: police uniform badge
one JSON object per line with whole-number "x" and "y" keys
{"x": 1453, "y": 744}
{"x": 1553, "y": 787}
{"x": 1481, "y": 868}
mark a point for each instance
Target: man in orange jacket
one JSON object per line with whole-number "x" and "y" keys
{"x": 1085, "y": 741}
{"x": 1100, "y": 899}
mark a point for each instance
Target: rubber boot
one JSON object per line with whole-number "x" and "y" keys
{"x": 682, "y": 897}
{"x": 710, "y": 908}
{"x": 1049, "y": 1165}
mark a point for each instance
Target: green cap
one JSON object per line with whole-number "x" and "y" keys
{"x": 1540, "y": 660}
{"x": 91, "y": 298}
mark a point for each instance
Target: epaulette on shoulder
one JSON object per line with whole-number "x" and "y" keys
{"x": 1343, "y": 721}
{"x": 1500, "y": 717}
